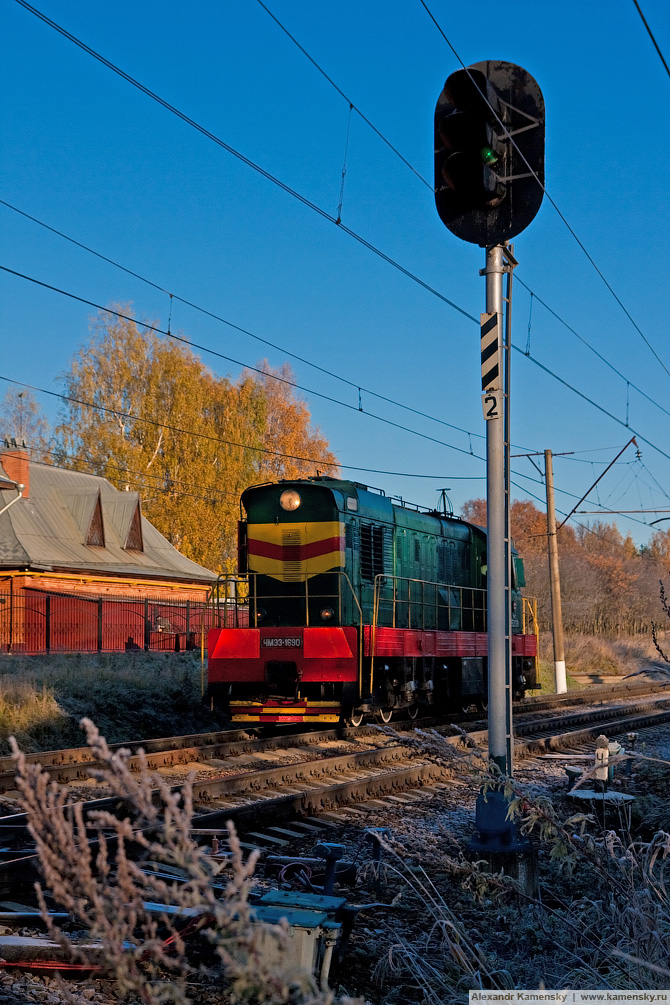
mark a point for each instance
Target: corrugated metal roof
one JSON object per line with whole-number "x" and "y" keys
{"x": 48, "y": 530}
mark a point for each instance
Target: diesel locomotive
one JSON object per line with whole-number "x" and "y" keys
{"x": 352, "y": 604}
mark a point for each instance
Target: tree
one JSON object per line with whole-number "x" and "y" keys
{"x": 606, "y": 583}
{"x": 286, "y": 427}
{"x": 22, "y": 420}
{"x": 529, "y": 525}
{"x": 474, "y": 511}
{"x": 188, "y": 440}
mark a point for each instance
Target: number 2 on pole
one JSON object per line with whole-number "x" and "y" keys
{"x": 490, "y": 406}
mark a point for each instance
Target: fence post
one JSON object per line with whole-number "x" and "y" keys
{"x": 99, "y": 624}
{"x": 147, "y": 626}
{"x": 188, "y": 625}
{"x": 47, "y": 623}
{"x": 11, "y": 616}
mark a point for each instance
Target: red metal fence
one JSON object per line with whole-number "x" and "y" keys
{"x": 35, "y": 621}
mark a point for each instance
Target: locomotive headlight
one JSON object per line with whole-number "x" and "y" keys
{"x": 289, "y": 500}
{"x": 327, "y": 613}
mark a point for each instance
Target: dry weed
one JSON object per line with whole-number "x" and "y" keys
{"x": 128, "y": 695}
{"x": 108, "y": 871}
{"x": 604, "y": 898}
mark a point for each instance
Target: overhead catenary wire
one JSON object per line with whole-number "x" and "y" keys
{"x": 308, "y": 202}
{"x": 560, "y": 491}
{"x": 282, "y": 380}
{"x": 230, "y": 359}
{"x": 339, "y": 90}
{"x": 324, "y": 370}
{"x": 138, "y": 479}
{"x": 310, "y": 363}
{"x": 316, "y": 366}
{"x": 547, "y": 370}
{"x": 244, "y": 331}
{"x": 231, "y": 443}
{"x": 585, "y": 397}
{"x": 163, "y": 425}
{"x": 244, "y": 159}
{"x": 651, "y": 36}
{"x": 629, "y": 383}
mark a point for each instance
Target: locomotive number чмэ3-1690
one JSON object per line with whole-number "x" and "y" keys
{"x": 288, "y": 643}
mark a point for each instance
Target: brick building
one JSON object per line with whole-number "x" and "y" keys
{"x": 73, "y": 535}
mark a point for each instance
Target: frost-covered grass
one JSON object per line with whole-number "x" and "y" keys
{"x": 130, "y": 695}
{"x": 596, "y": 655}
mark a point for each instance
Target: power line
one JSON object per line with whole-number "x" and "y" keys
{"x": 237, "y": 362}
{"x": 244, "y": 159}
{"x": 315, "y": 366}
{"x": 551, "y": 200}
{"x": 651, "y": 36}
{"x": 313, "y": 206}
{"x": 230, "y": 443}
{"x": 343, "y": 95}
{"x": 163, "y": 425}
{"x": 141, "y": 475}
{"x": 244, "y": 331}
{"x": 319, "y": 394}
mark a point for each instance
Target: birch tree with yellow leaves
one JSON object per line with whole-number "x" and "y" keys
{"x": 146, "y": 413}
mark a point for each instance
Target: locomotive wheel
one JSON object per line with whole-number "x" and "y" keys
{"x": 355, "y": 719}
{"x": 383, "y": 715}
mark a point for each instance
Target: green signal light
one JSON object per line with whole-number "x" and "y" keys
{"x": 489, "y": 156}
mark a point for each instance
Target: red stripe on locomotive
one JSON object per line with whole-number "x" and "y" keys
{"x": 294, "y": 552}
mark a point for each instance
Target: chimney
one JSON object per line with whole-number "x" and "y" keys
{"x": 16, "y": 465}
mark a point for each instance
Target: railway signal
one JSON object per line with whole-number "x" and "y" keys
{"x": 489, "y": 184}
{"x": 489, "y": 152}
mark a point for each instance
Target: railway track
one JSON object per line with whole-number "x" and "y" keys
{"x": 226, "y": 750}
{"x": 322, "y": 772}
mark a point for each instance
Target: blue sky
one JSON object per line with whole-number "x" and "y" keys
{"x": 93, "y": 157}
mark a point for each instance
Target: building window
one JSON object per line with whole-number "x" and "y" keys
{"x": 96, "y": 531}
{"x": 134, "y": 540}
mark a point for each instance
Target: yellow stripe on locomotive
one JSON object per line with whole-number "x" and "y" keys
{"x": 293, "y": 552}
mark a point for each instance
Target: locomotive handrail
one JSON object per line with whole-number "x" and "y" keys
{"x": 530, "y": 604}
{"x": 245, "y": 579}
{"x": 382, "y": 579}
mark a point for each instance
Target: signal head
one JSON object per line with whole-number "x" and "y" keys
{"x": 489, "y": 152}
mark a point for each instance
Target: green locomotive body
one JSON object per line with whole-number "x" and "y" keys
{"x": 351, "y": 603}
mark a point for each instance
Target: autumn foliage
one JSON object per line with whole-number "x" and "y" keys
{"x": 608, "y": 585}
{"x": 189, "y": 440}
